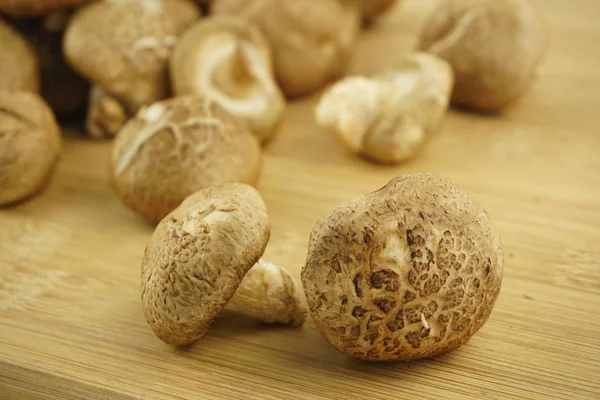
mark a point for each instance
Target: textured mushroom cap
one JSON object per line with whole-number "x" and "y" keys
{"x": 494, "y": 47}
{"x": 123, "y": 46}
{"x": 388, "y": 117}
{"x": 176, "y": 147}
{"x": 410, "y": 271}
{"x": 35, "y": 8}
{"x": 228, "y": 60}
{"x": 311, "y": 40}
{"x": 197, "y": 258}
{"x": 29, "y": 145}
{"x": 19, "y": 68}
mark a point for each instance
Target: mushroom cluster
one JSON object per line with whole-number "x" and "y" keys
{"x": 190, "y": 89}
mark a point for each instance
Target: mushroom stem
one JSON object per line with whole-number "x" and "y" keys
{"x": 268, "y": 293}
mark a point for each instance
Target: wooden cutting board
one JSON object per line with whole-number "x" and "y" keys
{"x": 71, "y": 324}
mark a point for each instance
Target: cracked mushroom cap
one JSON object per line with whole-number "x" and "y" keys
{"x": 176, "y": 147}
{"x": 30, "y": 145}
{"x": 409, "y": 271}
{"x": 311, "y": 40}
{"x": 228, "y": 60}
{"x": 36, "y": 8}
{"x": 388, "y": 117}
{"x": 494, "y": 47}
{"x": 197, "y": 258}
{"x": 123, "y": 46}
{"x": 19, "y": 68}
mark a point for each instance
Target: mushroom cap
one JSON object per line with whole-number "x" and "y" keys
{"x": 494, "y": 47}
{"x": 36, "y": 8}
{"x": 388, "y": 117}
{"x": 176, "y": 147}
{"x": 197, "y": 257}
{"x": 123, "y": 46}
{"x": 228, "y": 60}
{"x": 311, "y": 40}
{"x": 411, "y": 270}
{"x": 19, "y": 69}
{"x": 30, "y": 144}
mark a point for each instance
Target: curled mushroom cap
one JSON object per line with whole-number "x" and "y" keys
{"x": 228, "y": 60}
{"x": 36, "y": 8}
{"x": 123, "y": 46}
{"x": 197, "y": 258}
{"x": 19, "y": 68}
{"x": 29, "y": 145}
{"x": 411, "y": 270}
{"x": 494, "y": 47}
{"x": 311, "y": 40}
{"x": 176, "y": 147}
{"x": 388, "y": 117}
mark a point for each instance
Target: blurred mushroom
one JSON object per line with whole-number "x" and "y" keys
{"x": 122, "y": 46}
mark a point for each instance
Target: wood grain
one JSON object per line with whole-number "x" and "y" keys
{"x": 71, "y": 325}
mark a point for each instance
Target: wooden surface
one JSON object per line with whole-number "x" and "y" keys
{"x": 71, "y": 324}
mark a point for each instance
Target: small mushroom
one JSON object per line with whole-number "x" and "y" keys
{"x": 201, "y": 258}
{"x": 36, "y": 8}
{"x": 176, "y": 147}
{"x": 30, "y": 144}
{"x": 19, "y": 69}
{"x": 494, "y": 47}
{"x": 123, "y": 46}
{"x": 228, "y": 60}
{"x": 311, "y": 40}
{"x": 409, "y": 271}
{"x": 388, "y": 117}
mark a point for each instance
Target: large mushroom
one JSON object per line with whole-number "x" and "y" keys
{"x": 409, "y": 271}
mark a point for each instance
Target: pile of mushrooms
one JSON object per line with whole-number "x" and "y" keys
{"x": 191, "y": 91}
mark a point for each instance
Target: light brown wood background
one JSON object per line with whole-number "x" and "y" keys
{"x": 71, "y": 324}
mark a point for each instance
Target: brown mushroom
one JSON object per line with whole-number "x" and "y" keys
{"x": 30, "y": 144}
{"x": 176, "y": 147}
{"x": 411, "y": 270}
{"x": 494, "y": 47}
{"x": 205, "y": 255}
{"x": 123, "y": 46}
{"x": 388, "y": 117}
{"x": 228, "y": 60}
